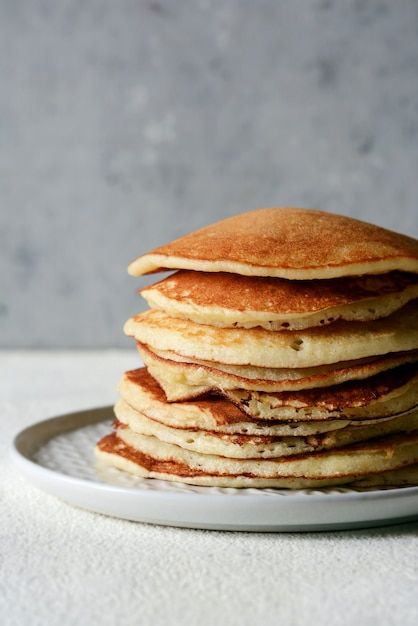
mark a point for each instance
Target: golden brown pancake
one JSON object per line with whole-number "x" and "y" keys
{"x": 231, "y": 300}
{"x": 403, "y": 477}
{"x": 149, "y": 457}
{"x": 215, "y": 414}
{"x": 293, "y": 243}
{"x": 340, "y": 341}
{"x": 211, "y": 413}
{"x": 282, "y": 353}
{"x": 183, "y": 379}
{"x": 387, "y": 394}
{"x": 262, "y": 446}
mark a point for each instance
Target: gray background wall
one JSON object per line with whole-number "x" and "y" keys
{"x": 126, "y": 124}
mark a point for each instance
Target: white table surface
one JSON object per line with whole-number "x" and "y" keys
{"x": 60, "y": 565}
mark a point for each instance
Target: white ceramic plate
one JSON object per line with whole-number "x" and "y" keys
{"x": 57, "y": 456}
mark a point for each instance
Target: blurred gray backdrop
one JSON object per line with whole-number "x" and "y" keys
{"x": 126, "y": 124}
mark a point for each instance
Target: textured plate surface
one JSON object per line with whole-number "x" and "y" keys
{"x": 57, "y": 456}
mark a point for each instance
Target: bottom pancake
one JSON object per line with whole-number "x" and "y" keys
{"x": 149, "y": 457}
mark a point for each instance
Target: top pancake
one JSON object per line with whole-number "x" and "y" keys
{"x": 293, "y": 243}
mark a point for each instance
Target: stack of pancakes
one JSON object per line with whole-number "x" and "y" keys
{"x": 282, "y": 352}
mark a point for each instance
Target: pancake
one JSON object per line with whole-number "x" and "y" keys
{"x": 388, "y": 394}
{"x": 263, "y": 446}
{"x": 231, "y": 300}
{"x": 340, "y": 341}
{"x": 292, "y": 243}
{"x": 212, "y": 413}
{"x": 149, "y": 457}
{"x": 182, "y": 380}
{"x": 403, "y": 477}
{"x": 282, "y": 353}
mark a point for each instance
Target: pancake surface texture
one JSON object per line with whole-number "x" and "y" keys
{"x": 149, "y": 457}
{"x": 286, "y": 242}
{"x": 281, "y": 353}
{"x": 341, "y": 341}
{"x": 231, "y": 300}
